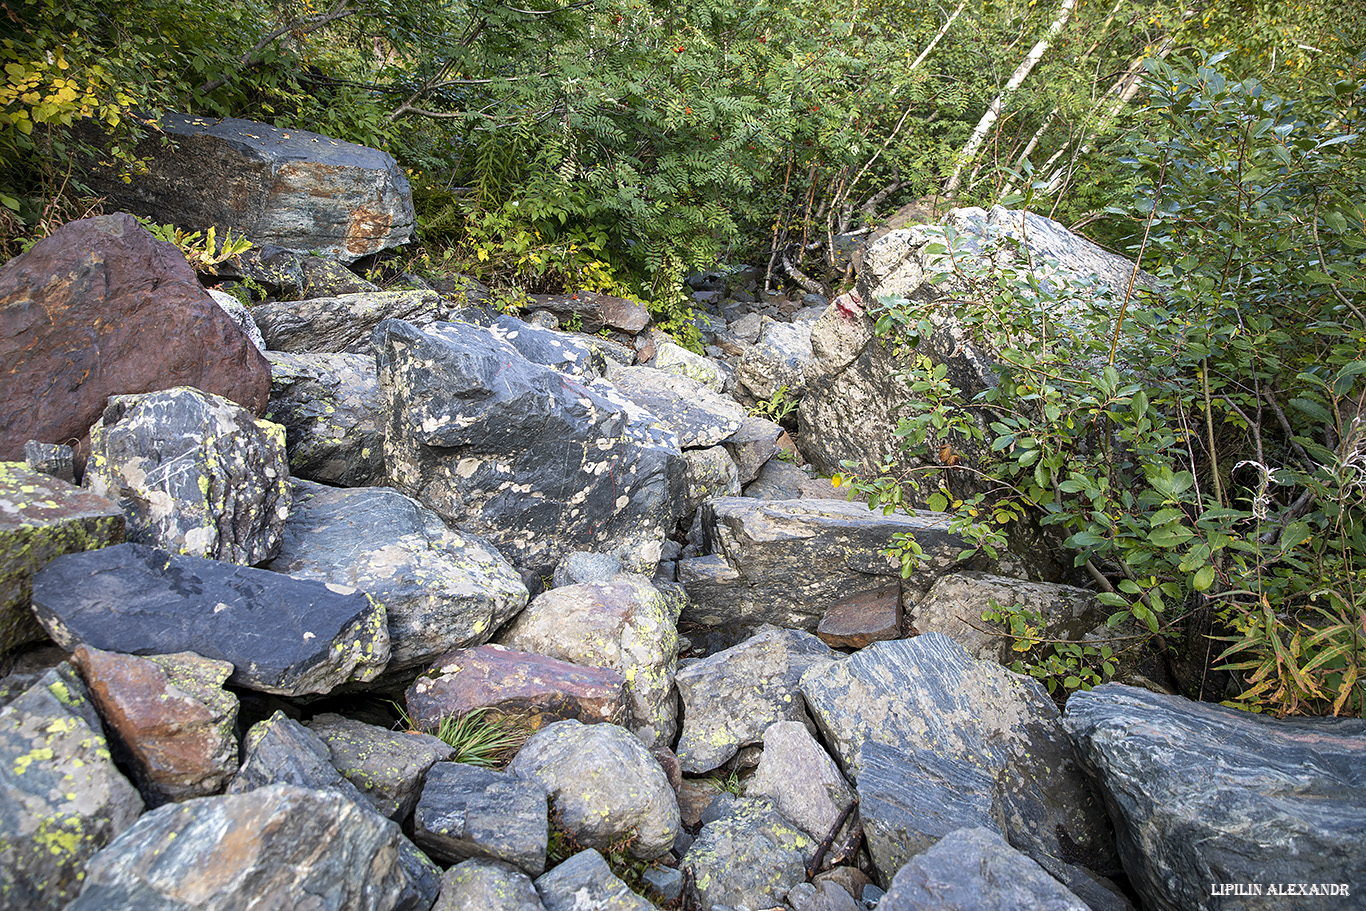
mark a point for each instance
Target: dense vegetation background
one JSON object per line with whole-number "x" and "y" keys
{"x": 619, "y": 144}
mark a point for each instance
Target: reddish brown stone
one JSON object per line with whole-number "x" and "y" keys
{"x": 171, "y": 716}
{"x": 539, "y": 689}
{"x": 863, "y": 619}
{"x": 102, "y": 308}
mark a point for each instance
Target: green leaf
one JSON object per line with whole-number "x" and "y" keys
{"x": 1204, "y": 578}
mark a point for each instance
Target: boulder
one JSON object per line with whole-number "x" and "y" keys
{"x": 794, "y": 558}
{"x": 240, "y": 315}
{"x": 750, "y": 857}
{"x": 976, "y": 870}
{"x": 56, "y": 460}
{"x": 441, "y": 589}
{"x": 806, "y": 786}
{"x": 173, "y": 723}
{"x": 864, "y": 618}
{"x": 940, "y": 722}
{"x": 387, "y": 766}
{"x": 194, "y": 473}
{"x": 779, "y": 359}
{"x": 699, "y": 416}
{"x": 518, "y": 453}
{"x": 592, "y": 311}
{"x": 487, "y": 885}
{"x": 584, "y": 882}
{"x": 730, "y": 698}
{"x": 582, "y": 566}
{"x": 560, "y": 351}
{"x": 282, "y": 635}
{"x": 780, "y": 479}
{"x": 709, "y": 473}
{"x": 61, "y": 797}
{"x": 42, "y": 517}
{"x": 299, "y": 190}
{"x": 287, "y": 275}
{"x": 752, "y": 445}
{"x": 101, "y": 308}
{"x": 1206, "y": 797}
{"x": 604, "y": 786}
{"x": 332, "y": 410}
{"x": 625, "y": 625}
{"x": 822, "y": 896}
{"x": 343, "y": 323}
{"x": 466, "y": 811}
{"x": 679, "y": 361}
{"x": 533, "y": 689}
{"x": 282, "y": 846}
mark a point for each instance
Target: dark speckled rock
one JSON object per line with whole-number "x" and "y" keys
{"x": 386, "y": 766}
{"x": 1203, "y": 794}
{"x": 699, "y": 416}
{"x": 331, "y": 408}
{"x": 342, "y": 323}
{"x": 466, "y": 811}
{"x": 556, "y": 350}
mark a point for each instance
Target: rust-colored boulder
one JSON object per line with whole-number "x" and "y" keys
{"x": 102, "y": 308}
{"x": 862, "y": 619}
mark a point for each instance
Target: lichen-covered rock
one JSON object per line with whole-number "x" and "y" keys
{"x": 40, "y": 518}
{"x": 730, "y": 698}
{"x": 805, "y": 785}
{"x": 863, "y": 618}
{"x": 699, "y": 416}
{"x": 531, "y": 690}
{"x": 518, "y": 453}
{"x": 603, "y": 785}
{"x": 1203, "y": 794}
{"x": 281, "y": 635}
{"x": 750, "y": 857}
{"x": 61, "y": 797}
{"x": 332, "y": 411}
{"x": 487, "y": 885}
{"x": 752, "y": 445}
{"x": 795, "y": 558}
{"x": 466, "y": 811}
{"x": 584, "y": 882}
{"x": 780, "y": 359}
{"x": 937, "y": 715}
{"x": 240, "y": 315}
{"x": 582, "y": 566}
{"x": 779, "y": 479}
{"x": 625, "y": 625}
{"x": 441, "y": 589}
{"x": 102, "y": 308}
{"x": 56, "y": 460}
{"x": 174, "y": 722}
{"x": 711, "y": 472}
{"x": 386, "y": 766}
{"x": 288, "y": 275}
{"x": 342, "y": 323}
{"x": 976, "y": 870}
{"x": 679, "y": 361}
{"x": 282, "y": 846}
{"x": 559, "y": 351}
{"x": 194, "y": 473}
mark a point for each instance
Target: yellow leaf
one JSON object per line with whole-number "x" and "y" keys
{"x": 483, "y": 254}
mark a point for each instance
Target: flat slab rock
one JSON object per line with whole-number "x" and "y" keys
{"x": 699, "y": 416}
{"x": 584, "y": 881}
{"x": 342, "y": 323}
{"x": 933, "y": 714}
{"x": 42, "y": 518}
{"x": 1203, "y": 794}
{"x": 282, "y": 635}
{"x": 864, "y": 618}
{"x": 386, "y": 766}
{"x": 466, "y": 811}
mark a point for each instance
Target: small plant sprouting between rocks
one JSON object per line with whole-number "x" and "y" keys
{"x": 777, "y": 407}
{"x": 562, "y": 845}
{"x": 480, "y": 737}
{"x": 202, "y": 250}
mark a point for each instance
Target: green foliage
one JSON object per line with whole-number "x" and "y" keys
{"x": 777, "y": 407}
{"x": 562, "y": 845}
{"x": 1061, "y": 664}
{"x": 201, "y": 249}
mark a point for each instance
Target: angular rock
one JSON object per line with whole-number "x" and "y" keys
{"x": 173, "y": 721}
{"x": 730, "y": 698}
{"x": 343, "y": 323}
{"x": 279, "y": 847}
{"x": 794, "y": 558}
{"x": 281, "y": 635}
{"x": 240, "y": 315}
{"x": 194, "y": 473}
{"x": 780, "y": 479}
{"x": 560, "y": 351}
{"x": 752, "y": 445}
{"x": 332, "y": 410}
{"x": 595, "y": 310}
{"x": 603, "y": 785}
{"x": 680, "y": 361}
{"x": 386, "y": 766}
{"x": 976, "y": 870}
{"x": 824, "y": 896}
{"x": 940, "y": 714}
{"x": 699, "y": 416}
{"x": 441, "y": 589}
{"x": 299, "y": 190}
{"x": 102, "y": 308}
{"x": 1202, "y": 794}
{"x": 533, "y": 689}
{"x": 584, "y": 882}
{"x": 466, "y": 811}
{"x": 625, "y": 625}
{"x": 805, "y": 785}
{"x": 487, "y": 885}
{"x": 515, "y": 452}
{"x": 710, "y": 473}
{"x": 287, "y": 275}
{"x": 750, "y": 857}
{"x": 862, "y": 619}
{"x": 581, "y": 566}
{"x": 781, "y": 357}
{"x": 61, "y": 797}
{"x": 42, "y": 517}
{"x": 54, "y": 459}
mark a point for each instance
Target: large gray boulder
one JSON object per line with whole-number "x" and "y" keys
{"x": 193, "y": 472}
{"x": 281, "y": 635}
{"x": 332, "y": 411}
{"x": 296, "y": 189}
{"x": 342, "y": 323}
{"x": 780, "y": 359}
{"x": 513, "y": 451}
{"x": 919, "y": 716}
{"x": 486, "y": 885}
{"x": 699, "y": 416}
{"x": 560, "y": 351}
{"x": 751, "y": 856}
{"x": 441, "y": 589}
{"x": 1203, "y": 795}
{"x": 806, "y": 786}
{"x": 61, "y": 797}
{"x": 466, "y": 811}
{"x": 387, "y": 766}
{"x": 282, "y": 846}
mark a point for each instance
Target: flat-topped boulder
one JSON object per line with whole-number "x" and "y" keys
{"x": 324, "y": 325}
{"x": 698, "y": 415}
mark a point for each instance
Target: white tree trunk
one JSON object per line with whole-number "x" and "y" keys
{"x": 993, "y": 112}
